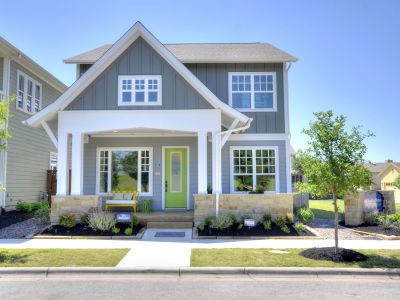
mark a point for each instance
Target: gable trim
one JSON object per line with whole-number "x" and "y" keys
{"x": 389, "y": 165}
{"x": 113, "y": 53}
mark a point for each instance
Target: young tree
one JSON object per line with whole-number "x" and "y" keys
{"x": 333, "y": 162}
{"x": 396, "y": 182}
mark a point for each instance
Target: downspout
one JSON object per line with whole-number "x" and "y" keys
{"x": 218, "y": 160}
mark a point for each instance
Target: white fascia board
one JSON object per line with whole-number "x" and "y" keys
{"x": 110, "y": 55}
{"x": 259, "y": 137}
{"x": 94, "y": 122}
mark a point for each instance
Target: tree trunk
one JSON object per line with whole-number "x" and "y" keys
{"x": 336, "y": 221}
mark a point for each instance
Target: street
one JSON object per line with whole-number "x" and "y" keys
{"x": 198, "y": 287}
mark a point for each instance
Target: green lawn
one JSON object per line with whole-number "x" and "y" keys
{"x": 264, "y": 258}
{"x": 324, "y": 209}
{"x": 61, "y": 257}
{"x": 397, "y": 207}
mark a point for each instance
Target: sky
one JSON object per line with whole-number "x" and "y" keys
{"x": 347, "y": 50}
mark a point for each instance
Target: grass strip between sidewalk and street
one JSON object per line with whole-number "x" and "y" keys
{"x": 61, "y": 257}
{"x": 264, "y": 258}
{"x": 323, "y": 209}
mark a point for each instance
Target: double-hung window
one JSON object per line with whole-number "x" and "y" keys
{"x": 252, "y": 91}
{"x": 124, "y": 169}
{"x": 29, "y": 94}
{"x": 139, "y": 90}
{"x": 254, "y": 167}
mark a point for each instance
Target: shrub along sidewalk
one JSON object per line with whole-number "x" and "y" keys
{"x": 286, "y": 258}
{"x": 61, "y": 257}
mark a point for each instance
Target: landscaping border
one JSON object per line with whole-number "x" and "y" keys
{"x": 195, "y": 235}
{"x": 138, "y": 236}
{"x": 378, "y": 235}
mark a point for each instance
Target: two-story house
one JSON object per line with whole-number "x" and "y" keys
{"x": 173, "y": 120}
{"x": 29, "y": 152}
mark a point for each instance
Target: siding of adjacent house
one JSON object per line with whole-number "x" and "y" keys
{"x": 215, "y": 77}
{"x": 28, "y": 151}
{"x": 139, "y": 59}
{"x": 90, "y": 160}
{"x": 1, "y": 72}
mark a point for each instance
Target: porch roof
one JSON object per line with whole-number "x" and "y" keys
{"x": 229, "y": 114}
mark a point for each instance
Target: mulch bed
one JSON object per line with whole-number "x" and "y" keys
{"x": 251, "y": 231}
{"x": 13, "y": 217}
{"x": 82, "y": 230}
{"x": 328, "y": 253}
{"x": 373, "y": 229}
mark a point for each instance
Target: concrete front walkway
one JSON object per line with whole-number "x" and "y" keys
{"x": 175, "y": 253}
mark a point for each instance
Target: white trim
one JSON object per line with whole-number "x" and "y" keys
{"x": 288, "y": 163}
{"x": 252, "y": 91}
{"x": 259, "y": 137}
{"x": 253, "y": 148}
{"x": 4, "y": 154}
{"x": 49, "y": 133}
{"x": 146, "y": 90}
{"x": 110, "y": 56}
{"x": 110, "y": 150}
{"x": 25, "y": 93}
{"x": 229, "y": 132}
{"x": 163, "y": 175}
{"x": 150, "y": 134}
{"x": 286, "y": 98}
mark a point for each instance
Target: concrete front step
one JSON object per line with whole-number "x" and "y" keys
{"x": 169, "y": 224}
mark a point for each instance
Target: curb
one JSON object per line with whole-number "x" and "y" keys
{"x": 179, "y": 271}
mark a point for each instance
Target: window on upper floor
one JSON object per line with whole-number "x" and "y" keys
{"x": 29, "y": 94}
{"x": 139, "y": 90}
{"x": 252, "y": 91}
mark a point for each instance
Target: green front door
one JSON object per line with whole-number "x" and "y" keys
{"x": 175, "y": 178}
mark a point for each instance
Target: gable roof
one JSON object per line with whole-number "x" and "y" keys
{"x": 392, "y": 165}
{"x": 229, "y": 114}
{"x": 205, "y": 53}
{"x": 17, "y": 55}
{"x": 381, "y": 166}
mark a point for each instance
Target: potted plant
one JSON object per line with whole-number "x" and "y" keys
{"x": 258, "y": 190}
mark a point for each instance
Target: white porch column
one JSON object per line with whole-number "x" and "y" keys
{"x": 216, "y": 157}
{"x": 202, "y": 162}
{"x": 77, "y": 164}
{"x": 62, "y": 164}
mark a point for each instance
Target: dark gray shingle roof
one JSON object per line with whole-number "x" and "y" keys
{"x": 206, "y": 53}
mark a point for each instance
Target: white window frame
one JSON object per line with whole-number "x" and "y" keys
{"x": 110, "y": 150}
{"x": 252, "y": 91}
{"x": 146, "y": 90}
{"x": 53, "y": 166}
{"x": 254, "y": 174}
{"x": 25, "y": 91}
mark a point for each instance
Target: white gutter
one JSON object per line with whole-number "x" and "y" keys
{"x": 218, "y": 160}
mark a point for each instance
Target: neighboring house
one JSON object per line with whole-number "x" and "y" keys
{"x": 23, "y": 166}
{"x": 169, "y": 120}
{"x": 384, "y": 175}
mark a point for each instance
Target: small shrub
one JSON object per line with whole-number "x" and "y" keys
{"x": 209, "y": 189}
{"x": 85, "y": 219}
{"x": 201, "y": 227}
{"x": 128, "y": 231}
{"x": 42, "y": 214}
{"x": 23, "y": 206}
{"x": 222, "y": 222}
{"x": 289, "y": 218}
{"x": 259, "y": 189}
{"x": 299, "y": 227}
{"x": 305, "y": 215}
{"x": 147, "y": 206}
{"x": 285, "y": 229}
{"x": 386, "y": 224}
{"x": 267, "y": 225}
{"x": 115, "y": 230}
{"x": 240, "y": 226}
{"x": 135, "y": 221}
{"x": 101, "y": 221}
{"x": 208, "y": 220}
{"x": 280, "y": 221}
{"x": 233, "y": 218}
{"x": 394, "y": 217}
{"x": 67, "y": 221}
{"x": 267, "y": 216}
{"x": 371, "y": 218}
{"x": 39, "y": 204}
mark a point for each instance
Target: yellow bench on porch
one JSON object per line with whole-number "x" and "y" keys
{"x": 123, "y": 199}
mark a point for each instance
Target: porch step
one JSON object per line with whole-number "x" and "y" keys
{"x": 169, "y": 224}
